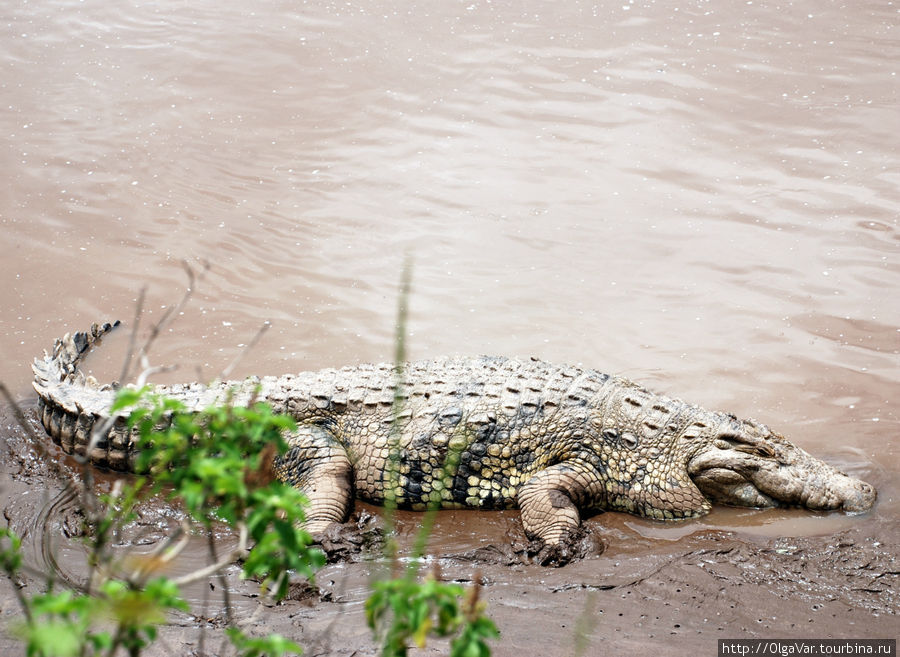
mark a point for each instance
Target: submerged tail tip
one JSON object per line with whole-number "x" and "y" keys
{"x": 99, "y": 329}
{"x": 75, "y": 345}
{"x": 69, "y": 350}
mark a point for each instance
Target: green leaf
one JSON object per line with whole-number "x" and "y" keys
{"x": 51, "y": 638}
{"x": 10, "y": 551}
{"x": 127, "y": 397}
{"x": 273, "y": 645}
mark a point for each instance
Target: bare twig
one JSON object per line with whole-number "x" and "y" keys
{"x": 226, "y": 595}
{"x": 37, "y": 442}
{"x": 201, "y": 640}
{"x": 147, "y": 372}
{"x": 101, "y": 565}
{"x": 20, "y": 598}
{"x": 252, "y": 618}
{"x": 132, "y": 339}
{"x": 182, "y": 535}
{"x": 98, "y": 433}
{"x": 19, "y": 415}
{"x": 262, "y": 329}
{"x": 225, "y": 561}
{"x": 169, "y": 315}
{"x": 163, "y": 553}
{"x": 17, "y": 590}
{"x": 323, "y": 639}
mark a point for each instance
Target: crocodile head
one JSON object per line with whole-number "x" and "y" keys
{"x": 746, "y": 464}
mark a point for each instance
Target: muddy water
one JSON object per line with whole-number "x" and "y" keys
{"x": 701, "y": 196}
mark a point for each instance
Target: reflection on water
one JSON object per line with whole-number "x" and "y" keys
{"x": 701, "y": 197}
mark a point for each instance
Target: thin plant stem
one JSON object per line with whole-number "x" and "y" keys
{"x": 226, "y": 595}
{"x": 392, "y": 466}
{"x": 214, "y": 568}
{"x": 132, "y": 339}
{"x": 237, "y": 359}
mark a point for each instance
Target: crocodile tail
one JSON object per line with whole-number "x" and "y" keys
{"x": 74, "y": 409}
{"x": 69, "y": 350}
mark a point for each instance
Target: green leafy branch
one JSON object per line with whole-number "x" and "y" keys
{"x": 409, "y": 608}
{"x": 219, "y": 464}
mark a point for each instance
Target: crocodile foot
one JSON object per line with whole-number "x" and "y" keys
{"x": 343, "y": 541}
{"x": 576, "y": 544}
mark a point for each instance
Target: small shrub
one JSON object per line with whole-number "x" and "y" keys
{"x": 219, "y": 465}
{"x": 405, "y": 609}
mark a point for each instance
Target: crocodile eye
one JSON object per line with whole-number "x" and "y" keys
{"x": 745, "y": 444}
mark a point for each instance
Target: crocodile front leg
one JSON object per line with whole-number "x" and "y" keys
{"x": 318, "y": 465}
{"x": 550, "y": 500}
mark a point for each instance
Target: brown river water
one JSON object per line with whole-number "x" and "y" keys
{"x": 702, "y": 196}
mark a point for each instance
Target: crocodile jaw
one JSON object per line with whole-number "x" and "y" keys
{"x": 769, "y": 471}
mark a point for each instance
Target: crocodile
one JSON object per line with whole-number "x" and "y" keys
{"x": 487, "y": 432}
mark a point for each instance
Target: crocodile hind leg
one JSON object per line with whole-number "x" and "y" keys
{"x": 550, "y": 500}
{"x": 318, "y": 465}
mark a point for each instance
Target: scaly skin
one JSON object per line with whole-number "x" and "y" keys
{"x": 554, "y": 441}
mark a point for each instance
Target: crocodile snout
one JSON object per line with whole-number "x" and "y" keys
{"x": 843, "y": 493}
